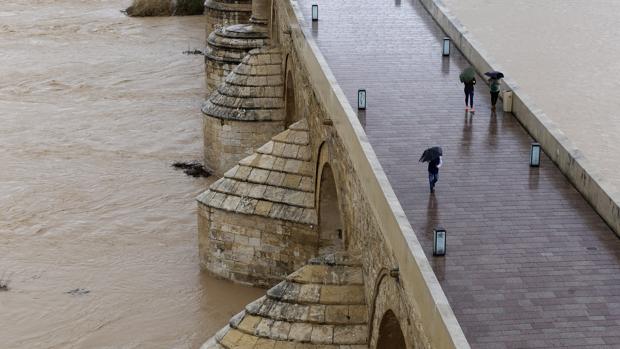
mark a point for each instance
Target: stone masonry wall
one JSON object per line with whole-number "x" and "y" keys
{"x": 220, "y": 13}
{"x": 216, "y": 72}
{"x": 227, "y": 141}
{"x": 360, "y": 223}
{"x": 240, "y": 246}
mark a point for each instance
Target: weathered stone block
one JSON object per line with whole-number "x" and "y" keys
{"x": 301, "y": 332}
{"x": 280, "y": 330}
{"x": 322, "y": 334}
{"x": 249, "y": 323}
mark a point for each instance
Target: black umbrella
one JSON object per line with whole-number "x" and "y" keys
{"x": 494, "y": 74}
{"x": 431, "y": 154}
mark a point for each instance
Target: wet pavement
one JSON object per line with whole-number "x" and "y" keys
{"x": 530, "y": 264}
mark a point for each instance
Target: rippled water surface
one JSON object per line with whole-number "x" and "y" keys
{"x": 564, "y": 55}
{"x": 94, "y": 107}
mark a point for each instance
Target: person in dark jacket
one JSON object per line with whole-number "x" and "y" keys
{"x": 469, "y": 94}
{"x": 433, "y": 172}
{"x": 494, "y": 87}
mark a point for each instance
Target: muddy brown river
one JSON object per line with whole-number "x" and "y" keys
{"x": 97, "y": 231}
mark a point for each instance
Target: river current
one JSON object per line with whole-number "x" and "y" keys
{"x": 97, "y": 231}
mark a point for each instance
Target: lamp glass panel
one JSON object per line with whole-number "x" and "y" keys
{"x": 446, "y": 47}
{"x": 440, "y": 242}
{"x": 315, "y": 12}
{"x": 361, "y": 99}
{"x": 535, "y": 156}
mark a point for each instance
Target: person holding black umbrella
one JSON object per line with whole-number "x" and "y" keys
{"x": 494, "y": 77}
{"x": 433, "y": 157}
{"x": 468, "y": 77}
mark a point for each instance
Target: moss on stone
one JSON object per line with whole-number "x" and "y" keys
{"x": 189, "y": 7}
{"x": 148, "y": 8}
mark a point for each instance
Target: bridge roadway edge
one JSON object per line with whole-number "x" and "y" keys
{"x": 603, "y": 196}
{"x": 436, "y": 314}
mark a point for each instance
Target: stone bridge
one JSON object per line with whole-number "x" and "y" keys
{"x": 303, "y": 206}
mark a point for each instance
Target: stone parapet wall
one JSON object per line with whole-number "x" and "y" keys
{"x": 602, "y": 195}
{"x": 251, "y": 249}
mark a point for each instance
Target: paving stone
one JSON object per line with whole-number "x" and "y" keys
{"x": 514, "y": 233}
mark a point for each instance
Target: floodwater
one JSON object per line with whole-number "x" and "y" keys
{"x": 94, "y": 107}
{"x": 564, "y": 55}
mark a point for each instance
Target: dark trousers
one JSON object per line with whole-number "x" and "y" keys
{"x": 469, "y": 95}
{"x": 432, "y": 179}
{"x": 494, "y": 97}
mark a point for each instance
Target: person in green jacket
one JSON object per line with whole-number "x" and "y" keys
{"x": 494, "y": 86}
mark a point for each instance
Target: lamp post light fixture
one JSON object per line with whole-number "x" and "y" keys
{"x": 315, "y": 12}
{"x": 446, "y": 46}
{"x": 535, "y": 155}
{"x": 361, "y": 99}
{"x": 439, "y": 242}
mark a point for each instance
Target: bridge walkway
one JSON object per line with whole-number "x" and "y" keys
{"x": 530, "y": 264}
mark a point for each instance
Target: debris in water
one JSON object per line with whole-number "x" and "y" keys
{"x": 78, "y": 292}
{"x": 193, "y": 52}
{"x": 194, "y": 168}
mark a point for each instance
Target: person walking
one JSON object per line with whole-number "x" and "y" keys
{"x": 433, "y": 157}
{"x": 433, "y": 172}
{"x": 494, "y": 88}
{"x": 468, "y": 77}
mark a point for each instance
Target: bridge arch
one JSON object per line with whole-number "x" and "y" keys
{"x": 331, "y": 228}
{"x": 391, "y": 318}
{"x": 390, "y": 334}
{"x": 291, "y": 114}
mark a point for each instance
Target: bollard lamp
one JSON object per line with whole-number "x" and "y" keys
{"x": 535, "y": 155}
{"x": 439, "y": 242}
{"x": 315, "y": 12}
{"x": 361, "y": 99}
{"x": 446, "y": 46}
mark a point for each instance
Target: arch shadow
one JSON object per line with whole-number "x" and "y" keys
{"x": 390, "y": 334}
{"x": 332, "y": 236}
